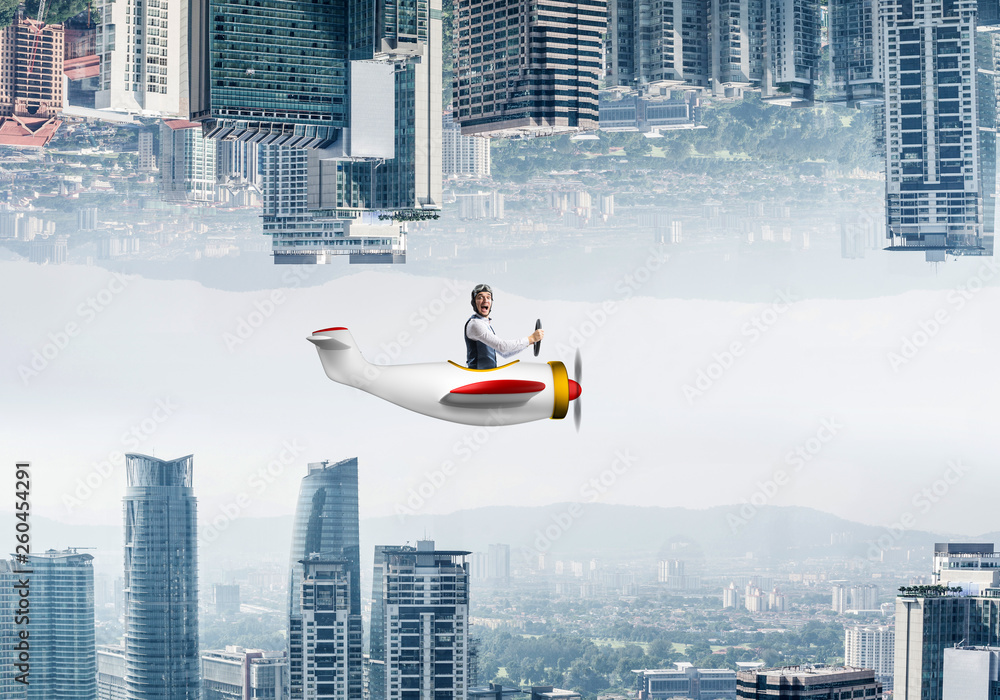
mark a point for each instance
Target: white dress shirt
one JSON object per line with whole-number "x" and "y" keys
{"x": 479, "y": 329}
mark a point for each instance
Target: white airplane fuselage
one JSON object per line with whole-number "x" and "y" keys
{"x": 518, "y": 392}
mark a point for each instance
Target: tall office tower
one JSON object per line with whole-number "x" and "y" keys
{"x": 856, "y": 51}
{"x": 525, "y": 68}
{"x": 930, "y": 619}
{"x": 275, "y": 73}
{"x": 187, "y": 162}
{"x": 655, "y": 41}
{"x": 31, "y": 69}
{"x": 807, "y": 682}
{"x": 161, "y": 579}
{"x": 63, "y": 653}
{"x": 355, "y": 87}
{"x": 971, "y": 673}
{"x": 235, "y": 673}
{"x": 144, "y": 50}
{"x": 419, "y": 641}
{"x": 871, "y": 647}
{"x": 111, "y": 673}
{"x": 934, "y": 195}
{"x": 988, "y": 117}
{"x": 326, "y": 524}
{"x": 9, "y": 687}
{"x": 463, "y": 156}
{"x": 838, "y": 602}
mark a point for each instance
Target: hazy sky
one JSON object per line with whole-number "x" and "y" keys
{"x": 701, "y": 403}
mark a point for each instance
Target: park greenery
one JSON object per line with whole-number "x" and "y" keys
{"x": 733, "y": 134}
{"x": 591, "y": 666}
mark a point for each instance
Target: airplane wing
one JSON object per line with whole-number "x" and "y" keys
{"x": 494, "y": 393}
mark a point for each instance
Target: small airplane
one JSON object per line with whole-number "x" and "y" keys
{"x": 512, "y": 393}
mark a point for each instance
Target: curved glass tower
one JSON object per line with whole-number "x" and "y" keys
{"x": 326, "y": 523}
{"x": 161, "y": 580}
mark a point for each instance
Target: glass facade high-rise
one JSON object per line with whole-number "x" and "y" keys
{"x": 939, "y": 161}
{"x": 326, "y": 524}
{"x": 419, "y": 639}
{"x": 63, "y": 650}
{"x": 525, "y": 67}
{"x": 274, "y": 72}
{"x": 352, "y": 121}
{"x": 9, "y": 687}
{"x": 161, "y": 580}
{"x": 961, "y": 608}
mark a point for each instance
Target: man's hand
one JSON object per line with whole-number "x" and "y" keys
{"x": 536, "y": 336}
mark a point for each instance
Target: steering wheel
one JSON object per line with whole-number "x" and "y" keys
{"x": 538, "y": 345}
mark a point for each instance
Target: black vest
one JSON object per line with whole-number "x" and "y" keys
{"x": 478, "y": 355}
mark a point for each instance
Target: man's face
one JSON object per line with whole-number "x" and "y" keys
{"x": 484, "y": 300}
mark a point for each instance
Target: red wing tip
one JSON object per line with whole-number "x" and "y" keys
{"x": 323, "y": 330}
{"x": 501, "y": 386}
{"x": 574, "y": 390}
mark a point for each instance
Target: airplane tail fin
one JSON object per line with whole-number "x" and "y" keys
{"x": 341, "y": 359}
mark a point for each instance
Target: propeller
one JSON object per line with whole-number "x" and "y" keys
{"x": 578, "y": 376}
{"x": 538, "y": 345}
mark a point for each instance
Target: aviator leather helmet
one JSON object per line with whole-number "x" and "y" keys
{"x": 476, "y": 290}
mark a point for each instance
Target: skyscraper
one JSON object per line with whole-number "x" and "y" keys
{"x": 326, "y": 524}
{"x": 723, "y": 45}
{"x": 324, "y": 645}
{"x": 356, "y": 87}
{"x": 934, "y": 169}
{"x": 929, "y": 619}
{"x": 161, "y": 580}
{"x": 9, "y": 688}
{"x": 63, "y": 652}
{"x": 528, "y": 68}
{"x": 144, "y": 50}
{"x": 856, "y": 58}
{"x": 649, "y": 42}
{"x": 420, "y": 624}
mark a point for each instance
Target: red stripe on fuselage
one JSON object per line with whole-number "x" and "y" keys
{"x": 501, "y": 386}
{"x": 323, "y": 330}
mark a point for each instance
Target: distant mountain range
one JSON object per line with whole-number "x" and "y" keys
{"x": 565, "y": 530}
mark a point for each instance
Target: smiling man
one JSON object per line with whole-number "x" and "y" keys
{"x": 481, "y": 344}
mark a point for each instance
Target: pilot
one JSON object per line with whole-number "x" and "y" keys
{"x": 481, "y": 344}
